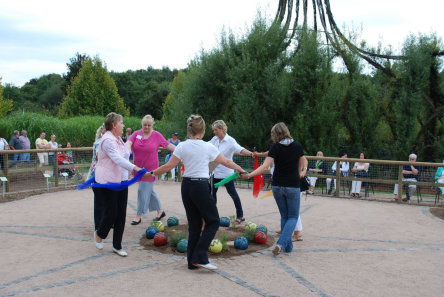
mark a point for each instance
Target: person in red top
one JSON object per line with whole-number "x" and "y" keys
{"x": 144, "y": 145}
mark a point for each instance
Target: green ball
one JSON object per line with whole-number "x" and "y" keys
{"x": 215, "y": 246}
{"x": 159, "y": 225}
{"x": 182, "y": 245}
{"x": 262, "y": 228}
{"x": 172, "y": 221}
{"x": 250, "y": 226}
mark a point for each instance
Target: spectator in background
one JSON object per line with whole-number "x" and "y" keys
{"x": 26, "y": 145}
{"x": 127, "y": 134}
{"x": 42, "y": 144}
{"x": 3, "y": 146}
{"x": 69, "y": 153}
{"x": 344, "y": 167}
{"x": 439, "y": 177}
{"x": 317, "y": 167}
{"x": 15, "y": 144}
{"x": 174, "y": 141}
{"x": 360, "y": 169}
{"x": 53, "y": 145}
{"x": 410, "y": 173}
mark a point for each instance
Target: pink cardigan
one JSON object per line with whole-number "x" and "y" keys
{"x": 106, "y": 169}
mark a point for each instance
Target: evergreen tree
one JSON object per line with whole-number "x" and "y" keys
{"x": 92, "y": 92}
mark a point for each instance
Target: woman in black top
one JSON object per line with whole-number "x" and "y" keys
{"x": 290, "y": 165}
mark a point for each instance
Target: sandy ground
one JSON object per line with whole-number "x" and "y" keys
{"x": 350, "y": 248}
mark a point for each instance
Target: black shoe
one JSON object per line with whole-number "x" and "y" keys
{"x": 161, "y": 216}
{"x": 192, "y": 267}
{"x": 329, "y": 192}
{"x": 136, "y": 222}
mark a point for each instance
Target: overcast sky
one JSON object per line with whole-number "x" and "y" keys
{"x": 39, "y": 37}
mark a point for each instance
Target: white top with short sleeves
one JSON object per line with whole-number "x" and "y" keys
{"x": 228, "y": 146}
{"x": 196, "y": 154}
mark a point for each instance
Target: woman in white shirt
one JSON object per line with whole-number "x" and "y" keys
{"x": 360, "y": 169}
{"x": 199, "y": 205}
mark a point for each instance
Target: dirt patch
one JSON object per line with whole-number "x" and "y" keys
{"x": 437, "y": 212}
{"x": 231, "y": 232}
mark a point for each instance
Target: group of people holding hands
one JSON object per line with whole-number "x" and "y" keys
{"x": 111, "y": 165}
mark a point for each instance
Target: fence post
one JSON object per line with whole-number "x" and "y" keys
{"x": 400, "y": 175}
{"x": 338, "y": 178}
{"x": 56, "y": 168}
{"x": 6, "y": 169}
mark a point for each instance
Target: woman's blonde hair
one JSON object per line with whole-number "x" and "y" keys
{"x": 100, "y": 131}
{"x": 220, "y": 125}
{"x": 110, "y": 119}
{"x": 148, "y": 118}
{"x": 195, "y": 125}
{"x": 279, "y": 132}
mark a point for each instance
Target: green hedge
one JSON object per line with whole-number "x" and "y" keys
{"x": 80, "y": 131}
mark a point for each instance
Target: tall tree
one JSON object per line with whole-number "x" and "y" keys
{"x": 5, "y": 104}
{"x": 74, "y": 67}
{"x": 92, "y": 92}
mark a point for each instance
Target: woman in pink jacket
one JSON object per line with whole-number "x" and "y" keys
{"x": 112, "y": 167}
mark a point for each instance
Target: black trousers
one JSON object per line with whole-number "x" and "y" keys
{"x": 199, "y": 204}
{"x": 114, "y": 213}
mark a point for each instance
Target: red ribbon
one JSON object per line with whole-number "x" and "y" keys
{"x": 258, "y": 180}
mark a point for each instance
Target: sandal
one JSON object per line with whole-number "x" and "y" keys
{"x": 239, "y": 220}
{"x": 296, "y": 238}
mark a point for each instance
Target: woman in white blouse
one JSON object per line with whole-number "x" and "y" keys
{"x": 360, "y": 169}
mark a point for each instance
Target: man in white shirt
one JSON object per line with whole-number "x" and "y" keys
{"x": 227, "y": 146}
{"x": 42, "y": 143}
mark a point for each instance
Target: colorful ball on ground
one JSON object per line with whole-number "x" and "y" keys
{"x": 182, "y": 245}
{"x": 250, "y": 226}
{"x": 159, "y": 225}
{"x": 260, "y": 237}
{"x": 262, "y": 228}
{"x": 172, "y": 221}
{"x": 241, "y": 243}
{"x": 215, "y": 246}
{"x": 151, "y": 231}
{"x": 160, "y": 239}
{"x": 224, "y": 222}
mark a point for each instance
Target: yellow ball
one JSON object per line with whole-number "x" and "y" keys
{"x": 159, "y": 225}
{"x": 250, "y": 226}
{"x": 215, "y": 246}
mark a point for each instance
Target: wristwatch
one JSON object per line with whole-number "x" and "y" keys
{"x": 152, "y": 173}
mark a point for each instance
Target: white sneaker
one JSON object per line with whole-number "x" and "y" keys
{"x": 120, "y": 252}
{"x": 208, "y": 266}
{"x": 277, "y": 250}
{"x": 99, "y": 245}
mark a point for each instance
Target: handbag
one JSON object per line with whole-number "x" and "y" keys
{"x": 304, "y": 184}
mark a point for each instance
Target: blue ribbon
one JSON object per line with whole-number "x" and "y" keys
{"x": 112, "y": 186}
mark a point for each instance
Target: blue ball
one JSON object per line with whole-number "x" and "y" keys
{"x": 241, "y": 243}
{"x": 224, "y": 222}
{"x": 151, "y": 231}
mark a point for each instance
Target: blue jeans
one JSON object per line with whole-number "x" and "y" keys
{"x": 288, "y": 201}
{"x": 25, "y": 157}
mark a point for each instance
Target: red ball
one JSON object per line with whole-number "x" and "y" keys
{"x": 260, "y": 237}
{"x": 160, "y": 239}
